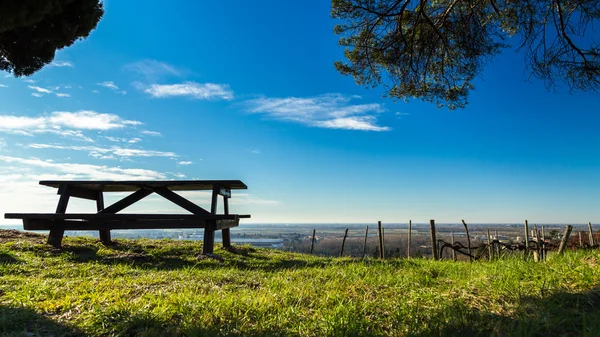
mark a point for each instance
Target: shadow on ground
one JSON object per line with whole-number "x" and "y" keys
{"x": 26, "y": 322}
{"x": 559, "y": 314}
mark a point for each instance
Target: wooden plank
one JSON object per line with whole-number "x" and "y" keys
{"x": 134, "y": 185}
{"x": 93, "y": 225}
{"x": 209, "y": 239}
{"x": 78, "y": 192}
{"x": 123, "y": 216}
{"x": 179, "y": 200}
{"x": 127, "y": 201}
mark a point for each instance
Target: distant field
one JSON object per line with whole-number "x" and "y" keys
{"x": 164, "y": 287}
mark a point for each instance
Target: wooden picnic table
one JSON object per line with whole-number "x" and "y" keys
{"x": 109, "y": 218}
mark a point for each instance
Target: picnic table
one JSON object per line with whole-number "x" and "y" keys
{"x": 109, "y": 218}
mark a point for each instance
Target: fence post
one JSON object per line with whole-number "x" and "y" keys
{"x": 580, "y": 240}
{"x": 538, "y": 248}
{"x": 433, "y": 239}
{"x": 497, "y": 244}
{"x": 544, "y": 252}
{"x": 453, "y": 251}
{"x": 468, "y": 240}
{"x": 591, "y": 234}
{"x": 409, "y": 237}
{"x": 383, "y": 240}
{"x": 565, "y": 239}
{"x": 312, "y": 244}
{"x": 526, "y": 240}
{"x": 380, "y": 240}
{"x": 490, "y": 249}
{"x": 343, "y": 243}
{"x": 365, "y": 244}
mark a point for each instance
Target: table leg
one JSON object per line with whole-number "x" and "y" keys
{"x": 225, "y": 232}
{"x": 209, "y": 238}
{"x": 56, "y": 234}
{"x": 103, "y": 233}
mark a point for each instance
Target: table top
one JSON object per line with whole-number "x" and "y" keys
{"x": 134, "y": 185}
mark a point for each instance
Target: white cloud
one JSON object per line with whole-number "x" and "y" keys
{"x": 58, "y": 94}
{"x": 66, "y": 124}
{"x": 29, "y": 81}
{"x": 95, "y": 91}
{"x": 3, "y": 85}
{"x": 134, "y": 140}
{"x": 185, "y": 162}
{"x": 86, "y": 171}
{"x": 96, "y": 151}
{"x": 255, "y": 151}
{"x": 191, "y": 89}
{"x": 179, "y": 175}
{"x": 35, "y": 94}
{"x": 61, "y": 64}
{"x": 111, "y": 85}
{"x": 333, "y": 111}
{"x": 152, "y": 69}
{"x": 151, "y": 133}
{"x": 40, "y": 89}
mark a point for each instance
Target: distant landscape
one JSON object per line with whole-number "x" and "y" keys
{"x": 328, "y": 239}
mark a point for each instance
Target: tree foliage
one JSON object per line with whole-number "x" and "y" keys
{"x": 32, "y": 30}
{"x": 433, "y": 50}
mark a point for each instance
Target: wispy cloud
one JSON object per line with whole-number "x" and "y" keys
{"x": 332, "y": 111}
{"x": 61, "y": 64}
{"x": 151, "y": 133}
{"x": 183, "y": 162}
{"x": 3, "y": 85}
{"x": 96, "y": 151}
{"x": 194, "y": 90}
{"x": 152, "y": 70}
{"x": 40, "y": 89}
{"x": 66, "y": 124}
{"x": 35, "y": 94}
{"x": 59, "y": 94}
{"x": 255, "y": 151}
{"x": 112, "y": 86}
{"x": 86, "y": 171}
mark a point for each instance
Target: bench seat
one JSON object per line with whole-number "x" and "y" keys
{"x": 108, "y": 221}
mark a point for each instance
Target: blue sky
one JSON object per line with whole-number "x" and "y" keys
{"x": 247, "y": 90}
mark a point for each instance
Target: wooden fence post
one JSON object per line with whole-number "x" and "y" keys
{"x": 538, "y": 248}
{"x": 380, "y": 240}
{"x": 312, "y": 244}
{"x": 497, "y": 244}
{"x": 490, "y": 249}
{"x": 433, "y": 239}
{"x": 409, "y": 237}
{"x": 591, "y": 234}
{"x": 468, "y": 240}
{"x": 580, "y": 240}
{"x": 453, "y": 251}
{"x": 526, "y": 240}
{"x": 365, "y": 244}
{"x": 343, "y": 243}
{"x": 544, "y": 252}
{"x": 565, "y": 239}
{"x": 383, "y": 240}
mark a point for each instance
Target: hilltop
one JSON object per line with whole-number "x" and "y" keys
{"x": 164, "y": 287}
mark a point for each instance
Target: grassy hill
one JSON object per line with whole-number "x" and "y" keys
{"x": 161, "y": 287}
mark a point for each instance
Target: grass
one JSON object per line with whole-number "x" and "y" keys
{"x": 163, "y": 287}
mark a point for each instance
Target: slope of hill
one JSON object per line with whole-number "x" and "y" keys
{"x": 162, "y": 287}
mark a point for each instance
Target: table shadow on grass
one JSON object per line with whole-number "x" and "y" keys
{"x": 174, "y": 257}
{"x": 20, "y": 321}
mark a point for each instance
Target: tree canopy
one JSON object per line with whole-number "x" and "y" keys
{"x": 32, "y": 30}
{"x": 433, "y": 50}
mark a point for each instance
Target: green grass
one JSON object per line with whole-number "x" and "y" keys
{"x": 162, "y": 287}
